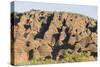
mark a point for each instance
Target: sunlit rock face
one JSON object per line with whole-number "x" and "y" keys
{"x": 41, "y": 35}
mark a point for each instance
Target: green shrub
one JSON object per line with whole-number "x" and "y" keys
{"x": 78, "y": 57}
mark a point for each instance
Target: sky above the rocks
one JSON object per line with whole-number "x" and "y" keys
{"x": 21, "y": 6}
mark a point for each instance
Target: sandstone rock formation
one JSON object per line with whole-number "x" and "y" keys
{"x": 38, "y": 34}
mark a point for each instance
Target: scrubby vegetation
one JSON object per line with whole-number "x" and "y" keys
{"x": 74, "y": 57}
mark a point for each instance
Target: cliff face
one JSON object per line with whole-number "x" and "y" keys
{"x": 42, "y": 34}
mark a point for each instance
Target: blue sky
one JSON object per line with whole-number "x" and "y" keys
{"x": 91, "y": 11}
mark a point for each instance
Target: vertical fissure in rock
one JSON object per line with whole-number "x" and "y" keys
{"x": 44, "y": 28}
{"x": 30, "y": 54}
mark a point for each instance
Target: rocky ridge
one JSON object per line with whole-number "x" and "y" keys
{"x": 39, "y": 35}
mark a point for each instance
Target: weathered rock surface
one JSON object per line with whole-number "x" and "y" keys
{"x": 39, "y": 34}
